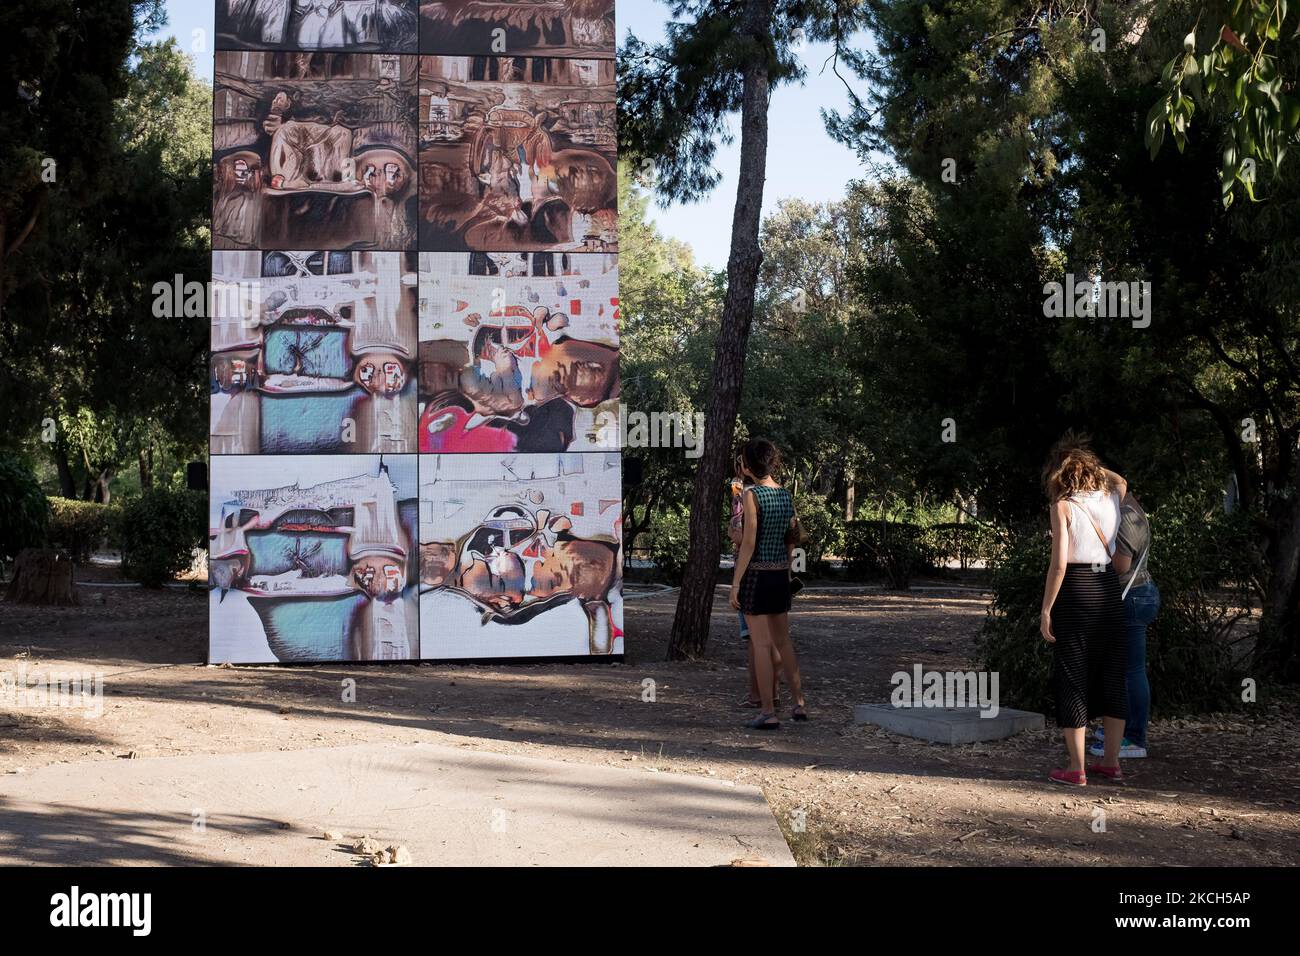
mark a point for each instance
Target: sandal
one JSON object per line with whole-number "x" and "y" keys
{"x": 799, "y": 712}
{"x": 1114, "y": 773}
{"x": 1072, "y": 778}
{"x": 761, "y": 722}
{"x": 751, "y": 703}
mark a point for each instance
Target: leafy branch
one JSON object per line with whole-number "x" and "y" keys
{"x": 1241, "y": 75}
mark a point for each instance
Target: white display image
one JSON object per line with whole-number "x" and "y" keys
{"x": 520, "y": 555}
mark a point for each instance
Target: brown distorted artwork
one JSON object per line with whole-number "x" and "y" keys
{"x": 353, "y": 25}
{"x": 517, "y": 153}
{"x": 314, "y": 151}
{"x": 555, "y": 27}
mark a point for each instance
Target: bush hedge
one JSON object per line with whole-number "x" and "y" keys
{"x": 670, "y": 538}
{"x": 24, "y": 512}
{"x": 1208, "y": 566}
{"x": 159, "y": 531}
{"x": 823, "y": 525}
{"x": 967, "y": 542}
{"x": 896, "y": 550}
{"x": 80, "y": 527}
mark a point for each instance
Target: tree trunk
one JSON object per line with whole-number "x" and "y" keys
{"x": 633, "y": 528}
{"x": 1277, "y": 649}
{"x": 42, "y": 576}
{"x": 102, "y": 492}
{"x": 690, "y": 631}
{"x": 67, "y": 485}
{"x": 146, "y": 468}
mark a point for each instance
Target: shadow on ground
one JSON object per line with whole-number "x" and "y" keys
{"x": 1215, "y": 791}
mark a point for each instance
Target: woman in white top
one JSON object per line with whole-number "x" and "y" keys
{"x": 1083, "y": 614}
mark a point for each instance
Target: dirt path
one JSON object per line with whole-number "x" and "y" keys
{"x": 1216, "y": 792}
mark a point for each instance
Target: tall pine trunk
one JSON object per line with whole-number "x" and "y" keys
{"x": 690, "y": 631}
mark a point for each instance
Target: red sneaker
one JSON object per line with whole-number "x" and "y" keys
{"x": 1072, "y": 778}
{"x": 1110, "y": 773}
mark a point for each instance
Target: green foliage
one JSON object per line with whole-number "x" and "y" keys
{"x": 896, "y": 550}
{"x": 160, "y": 531}
{"x": 1207, "y": 568}
{"x": 1016, "y": 135}
{"x": 1210, "y": 573}
{"x": 823, "y": 525}
{"x": 80, "y": 526}
{"x": 24, "y": 512}
{"x": 669, "y": 543}
{"x": 804, "y": 384}
{"x": 1247, "y": 72}
{"x": 129, "y": 125}
{"x": 668, "y": 311}
{"x": 65, "y": 62}
{"x": 967, "y": 543}
{"x": 1009, "y": 640}
{"x": 675, "y": 96}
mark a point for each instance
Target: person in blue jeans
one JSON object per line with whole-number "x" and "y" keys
{"x": 1141, "y": 605}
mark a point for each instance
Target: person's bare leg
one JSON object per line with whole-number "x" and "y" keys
{"x": 1074, "y": 742}
{"x": 760, "y": 636}
{"x": 749, "y": 666}
{"x": 776, "y": 677}
{"x": 780, "y": 634}
{"x": 1114, "y": 729}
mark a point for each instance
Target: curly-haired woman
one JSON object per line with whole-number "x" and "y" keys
{"x": 1082, "y": 613}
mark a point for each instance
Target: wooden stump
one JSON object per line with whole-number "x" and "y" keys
{"x": 42, "y": 576}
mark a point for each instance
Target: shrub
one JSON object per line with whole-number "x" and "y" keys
{"x": 24, "y": 512}
{"x": 823, "y": 525}
{"x": 967, "y": 542}
{"x": 670, "y": 537}
{"x": 1203, "y": 562}
{"x": 79, "y": 526}
{"x": 1009, "y": 641}
{"x": 160, "y": 531}
{"x": 1207, "y": 566}
{"x": 896, "y": 550}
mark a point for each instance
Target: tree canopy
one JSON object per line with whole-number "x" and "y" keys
{"x": 91, "y": 378}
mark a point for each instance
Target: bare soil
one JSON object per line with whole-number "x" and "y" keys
{"x": 1216, "y": 791}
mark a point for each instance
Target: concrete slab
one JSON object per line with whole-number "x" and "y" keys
{"x": 948, "y": 725}
{"x": 448, "y": 805}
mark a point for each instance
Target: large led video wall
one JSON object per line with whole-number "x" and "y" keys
{"x": 415, "y": 333}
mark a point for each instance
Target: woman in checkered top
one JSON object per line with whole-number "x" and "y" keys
{"x": 760, "y": 587}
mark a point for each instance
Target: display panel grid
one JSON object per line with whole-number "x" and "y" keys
{"x": 414, "y": 422}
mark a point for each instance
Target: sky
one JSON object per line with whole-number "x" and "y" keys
{"x": 802, "y": 161}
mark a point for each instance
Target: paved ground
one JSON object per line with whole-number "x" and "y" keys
{"x": 448, "y": 805}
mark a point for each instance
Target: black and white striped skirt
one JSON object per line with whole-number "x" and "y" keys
{"x": 1091, "y": 647}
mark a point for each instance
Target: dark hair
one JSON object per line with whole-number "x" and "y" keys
{"x": 760, "y": 457}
